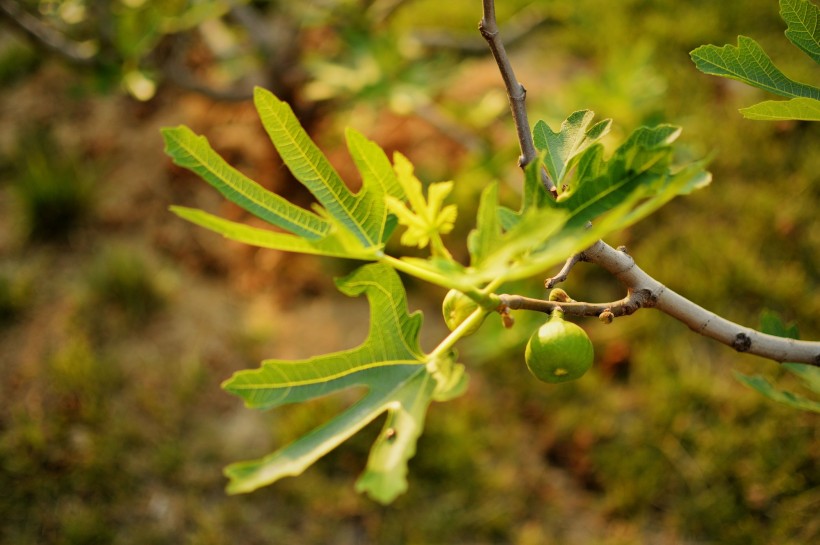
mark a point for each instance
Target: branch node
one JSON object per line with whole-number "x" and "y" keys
{"x": 521, "y": 95}
{"x": 742, "y": 343}
{"x": 562, "y": 275}
{"x": 646, "y": 298}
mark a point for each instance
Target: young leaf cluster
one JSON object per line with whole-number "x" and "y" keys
{"x": 749, "y": 63}
{"x": 600, "y": 196}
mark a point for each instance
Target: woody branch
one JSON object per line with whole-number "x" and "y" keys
{"x": 643, "y": 291}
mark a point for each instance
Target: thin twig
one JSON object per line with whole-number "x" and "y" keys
{"x": 515, "y": 30}
{"x": 562, "y": 275}
{"x": 624, "y": 307}
{"x": 45, "y": 35}
{"x": 516, "y": 92}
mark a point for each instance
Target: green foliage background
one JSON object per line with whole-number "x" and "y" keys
{"x": 112, "y": 425}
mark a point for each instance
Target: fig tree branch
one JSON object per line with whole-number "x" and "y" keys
{"x": 643, "y": 291}
{"x": 516, "y": 92}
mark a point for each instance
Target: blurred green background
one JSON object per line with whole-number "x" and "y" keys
{"x": 118, "y": 321}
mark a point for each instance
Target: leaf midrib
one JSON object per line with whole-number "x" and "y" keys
{"x": 339, "y": 200}
{"x": 223, "y": 179}
{"x": 325, "y": 378}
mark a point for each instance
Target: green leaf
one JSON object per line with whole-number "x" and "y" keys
{"x": 764, "y": 387}
{"x": 537, "y": 240}
{"x": 373, "y": 165}
{"x": 425, "y": 219}
{"x": 772, "y": 324}
{"x": 809, "y": 374}
{"x": 335, "y": 244}
{"x": 535, "y": 194}
{"x": 639, "y": 169}
{"x": 362, "y": 214}
{"x": 378, "y": 179}
{"x": 805, "y": 109}
{"x": 802, "y": 18}
{"x": 399, "y": 378}
{"x": 616, "y": 193}
{"x": 564, "y": 146}
{"x": 749, "y": 63}
{"x": 535, "y": 237}
{"x": 195, "y": 153}
{"x": 346, "y": 225}
{"x": 486, "y": 237}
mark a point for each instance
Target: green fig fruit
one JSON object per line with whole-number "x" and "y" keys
{"x": 456, "y": 308}
{"x": 559, "y": 351}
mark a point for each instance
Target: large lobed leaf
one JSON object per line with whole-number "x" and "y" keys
{"x": 803, "y": 20}
{"x": 400, "y": 380}
{"x": 749, "y": 63}
{"x": 195, "y": 153}
{"x": 346, "y": 225}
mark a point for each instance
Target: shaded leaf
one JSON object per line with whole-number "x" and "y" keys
{"x": 640, "y": 167}
{"x": 564, "y": 146}
{"x": 486, "y": 237}
{"x": 805, "y": 109}
{"x": 764, "y": 387}
{"x": 803, "y": 20}
{"x": 616, "y": 193}
{"x": 773, "y": 324}
{"x": 535, "y": 194}
{"x": 747, "y": 62}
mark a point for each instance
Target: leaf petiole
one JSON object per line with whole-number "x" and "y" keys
{"x": 446, "y": 345}
{"x": 479, "y": 296}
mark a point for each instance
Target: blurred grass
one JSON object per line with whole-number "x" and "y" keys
{"x": 113, "y": 428}
{"x": 53, "y": 190}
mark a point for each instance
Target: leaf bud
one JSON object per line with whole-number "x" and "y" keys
{"x": 560, "y": 296}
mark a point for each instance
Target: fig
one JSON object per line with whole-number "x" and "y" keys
{"x": 559, "y": 351}
{"x": 456, "y": 308}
